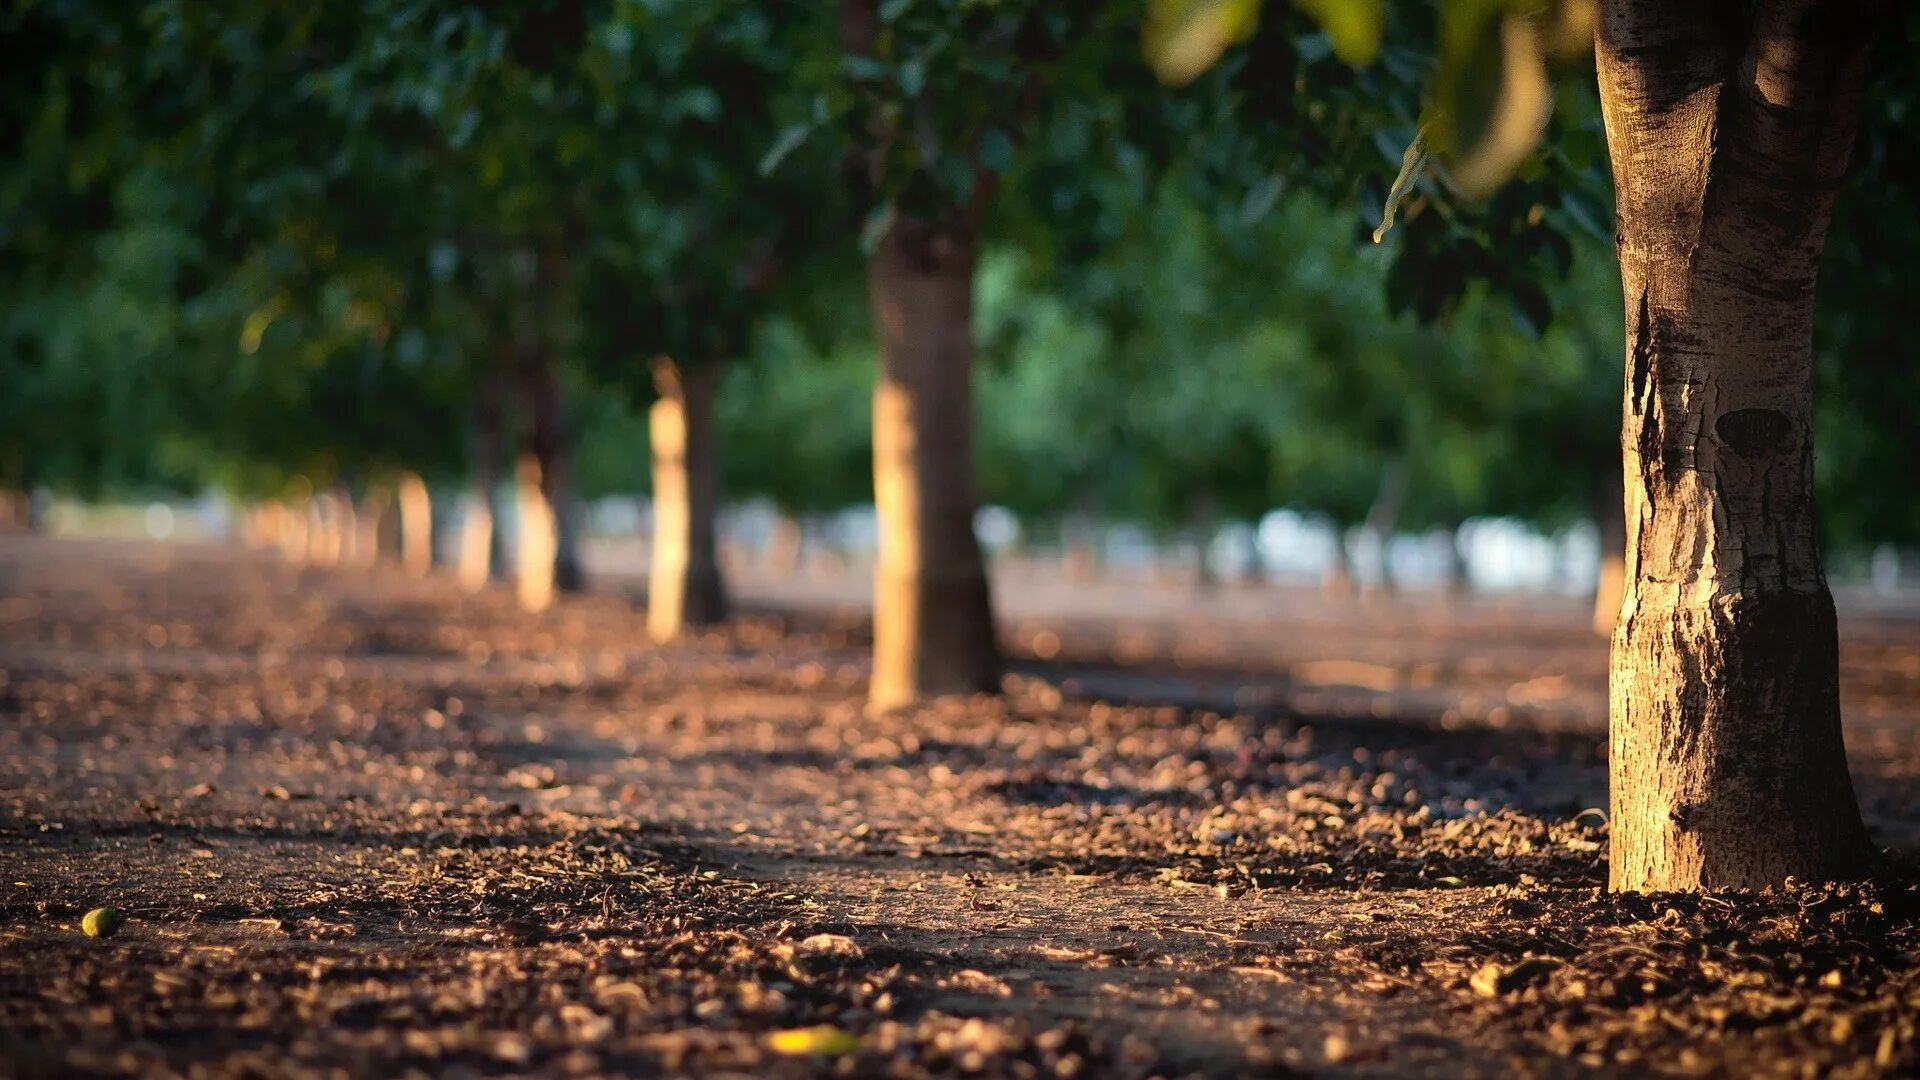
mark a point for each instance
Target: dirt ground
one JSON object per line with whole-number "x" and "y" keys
{"x": 363, "y": 824}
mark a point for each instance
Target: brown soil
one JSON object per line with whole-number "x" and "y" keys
{"x": 365, "y": 823}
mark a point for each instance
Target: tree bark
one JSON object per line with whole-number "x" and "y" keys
{"x": 932, "y": 619}
{"x": 550, "y": 442}
{"x": 1611, "y": 588}
{"x": 1382, "y": 517}
{"x": 684, "y": 587}
{"x": 482, "y": 555}
{"x": 1455, "y": 582}
{"x": 416, "y": 525}
{"x": 1336, "y": 578}
{"x": 1729, "y": 136}
{"x": 536, "y": 552}
{"x": 378, "y": 538}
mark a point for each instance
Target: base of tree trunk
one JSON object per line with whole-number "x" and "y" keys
{"x": 1727, "y": 765}
{"x": 684, "y": 587}
{"x": 932, "y": 636}
{"x": 932, "y": 613}
{"x": 679, "y": 598}
{"x": 539, "y": 540}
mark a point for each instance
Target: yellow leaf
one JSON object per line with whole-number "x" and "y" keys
{"x": 1183, "y": 38}
{"x": 1480, "y": 161}
{"x": 824, "y": 1039}
{"x": 1355, "y": 26}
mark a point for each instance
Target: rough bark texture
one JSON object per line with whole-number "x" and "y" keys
{"x": 684, "y": 588}
{"x": 933, "y": 622}
{"x": 1729, "y": 127}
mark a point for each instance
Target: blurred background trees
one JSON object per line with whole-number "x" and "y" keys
{"x": 304, "y": 253}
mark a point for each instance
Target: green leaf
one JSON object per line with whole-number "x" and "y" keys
{"x": 1411, "y": 162}
{"x": 995, "y": 152}
{"x": 789, "y": 141}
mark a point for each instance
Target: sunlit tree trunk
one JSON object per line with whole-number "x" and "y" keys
{"x": 416, "y": 525}
{"x": 933, "y": 622}
{"x": 296, "y": 529}
{"x": 1729, "y": 128}
{"x": 550, "y": 441}
{"x": 684, "y": 588}
{"x": 1611, "y": 587}
{"x": 535, "y": 554}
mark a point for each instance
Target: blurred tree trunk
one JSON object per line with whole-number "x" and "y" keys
{"x": 1336, "y": 579}
{"x": 416, "y": 525}
{"x": 933, "y": 621}
{"x": 379, "y": 528}
{"x": 1079, "y": 533}
{"x": 1453, "y": 572}
{"x": 550, "y": 443}
{"x": 684, "y": 587}
{"x": 296, "y": 527}
{"x": 932, "y": 617}
{"x": 481, "y": 552}
{"x": 1203, "y": 524}
{"x": 784, "y": 546}
{"x": 1611, "y": 587}
{"x": 1730, "y": 129}
{"x": 1382, "y": 517}
{"x": 537, "y": 552}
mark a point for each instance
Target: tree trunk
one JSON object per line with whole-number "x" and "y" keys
{"x": 1454, "y": 579}
{"x": 537, "y": 549}
{"x": 1728, "y": 142}
{"x": 1203, "y": 524}
{"x": 296, "y": 525}
{"x": 1611, "y": 587}
{"x": 482, "y": 554}
{"x": 1336, "y": 579}
{"x": 684, "y": 587}
{"x": 932, "y": 619}
{"x": 1382, "y": 517}
{"x": 378, "y": 531}
{"x": 416, "y": 525}
{"x": 550, "y": 442}
{"x": 1079, "y": 535}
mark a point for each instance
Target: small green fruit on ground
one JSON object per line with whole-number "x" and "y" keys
{"x": 102, "y": 922}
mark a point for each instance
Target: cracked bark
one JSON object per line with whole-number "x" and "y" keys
{"x": 1729, "y": 127}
